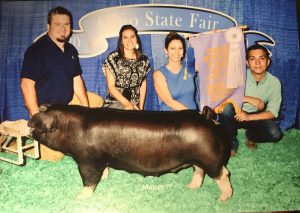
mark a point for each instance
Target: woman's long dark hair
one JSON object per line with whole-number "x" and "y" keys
{"x": 138, "y": 52}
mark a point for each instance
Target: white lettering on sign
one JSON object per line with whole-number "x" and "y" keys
{"x": 155, "y": 20}
{"x": 207, "y": 24}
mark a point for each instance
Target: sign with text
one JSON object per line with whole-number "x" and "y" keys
{"x": 97, "y": 26}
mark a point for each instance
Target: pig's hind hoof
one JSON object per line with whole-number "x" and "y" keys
{"x": 225, "y": 195}
{"x": 196, "y": 182}
{"x": 194, "y": 186}
{"x": 86, "y": 192}
{"x": 105, "y": 174}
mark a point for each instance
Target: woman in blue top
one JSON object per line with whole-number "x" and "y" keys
{"x": 174, "y": 83}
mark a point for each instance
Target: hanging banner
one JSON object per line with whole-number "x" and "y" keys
{"x": 221, "y": 65}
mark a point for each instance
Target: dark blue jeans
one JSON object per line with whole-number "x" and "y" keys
{"x": 260, "y": 131}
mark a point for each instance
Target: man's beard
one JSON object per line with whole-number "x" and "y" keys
{"x": 62, "y": 39}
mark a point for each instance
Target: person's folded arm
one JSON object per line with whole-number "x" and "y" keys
{"x": 244, "y": 116}
{"x": 256, "y": 102}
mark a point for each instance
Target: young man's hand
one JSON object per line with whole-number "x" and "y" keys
{"x": 242, "y": 116}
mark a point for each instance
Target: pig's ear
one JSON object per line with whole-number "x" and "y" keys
{"x": 44, "y": 107}
{"x": 51, "y": 123}
{"x": 208, "y": 113}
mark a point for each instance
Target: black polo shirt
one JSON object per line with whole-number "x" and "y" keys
{"x": 52, "y": 69}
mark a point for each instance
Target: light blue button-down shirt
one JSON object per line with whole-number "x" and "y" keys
{"x": 268, "y": 90}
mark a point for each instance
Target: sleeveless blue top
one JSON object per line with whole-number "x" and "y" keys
{"x": 181, "y": 90}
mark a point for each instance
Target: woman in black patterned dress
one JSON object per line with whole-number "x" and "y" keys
{"x": 126, "y": 70}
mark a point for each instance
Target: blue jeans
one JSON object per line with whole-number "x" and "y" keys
{"x": 260, "y": 131}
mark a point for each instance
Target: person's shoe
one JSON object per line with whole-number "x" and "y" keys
{"x": 233, "y": 153}
{"x": 250, "y": 144}
{"x": 234, "y": 147}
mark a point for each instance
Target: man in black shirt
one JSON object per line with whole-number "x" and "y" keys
{"x": 51, "y": 72}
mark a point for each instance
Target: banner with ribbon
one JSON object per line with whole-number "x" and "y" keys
{"x": 221, "y": 65}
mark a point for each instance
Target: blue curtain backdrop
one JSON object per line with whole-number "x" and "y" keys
{"x": 22, "y": 21}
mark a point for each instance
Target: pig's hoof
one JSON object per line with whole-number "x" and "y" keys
{"x": 86, "y": 193}
{"x": 105, "y": 174}
{"x": 82, "y": 196}
{"x": 196, "y": 181}
{"x": 225, "y": 196}
{"x": 194, "y": 185}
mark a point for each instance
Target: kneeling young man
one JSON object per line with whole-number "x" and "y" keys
{"x": 261, "y": 103}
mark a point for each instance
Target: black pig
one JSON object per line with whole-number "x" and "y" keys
{"x": 144, "y": 142}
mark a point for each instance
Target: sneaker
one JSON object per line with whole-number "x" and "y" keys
{"x": 251, "y": 144}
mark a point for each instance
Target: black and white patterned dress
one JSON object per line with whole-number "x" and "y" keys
{"x": 128, "y": 74}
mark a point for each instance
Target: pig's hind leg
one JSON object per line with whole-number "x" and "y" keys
{"x": 197, "y": 178}
{"x": 224, "y": 185}
{"x": 90, "y": 175}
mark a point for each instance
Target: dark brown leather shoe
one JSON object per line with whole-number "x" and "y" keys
{"x": 233, "y": 153}
{"x": 251, "y": 145}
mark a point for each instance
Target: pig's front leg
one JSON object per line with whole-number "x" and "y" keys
{"x": 197, "y": 178}
{"x": 90, "y": 175}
